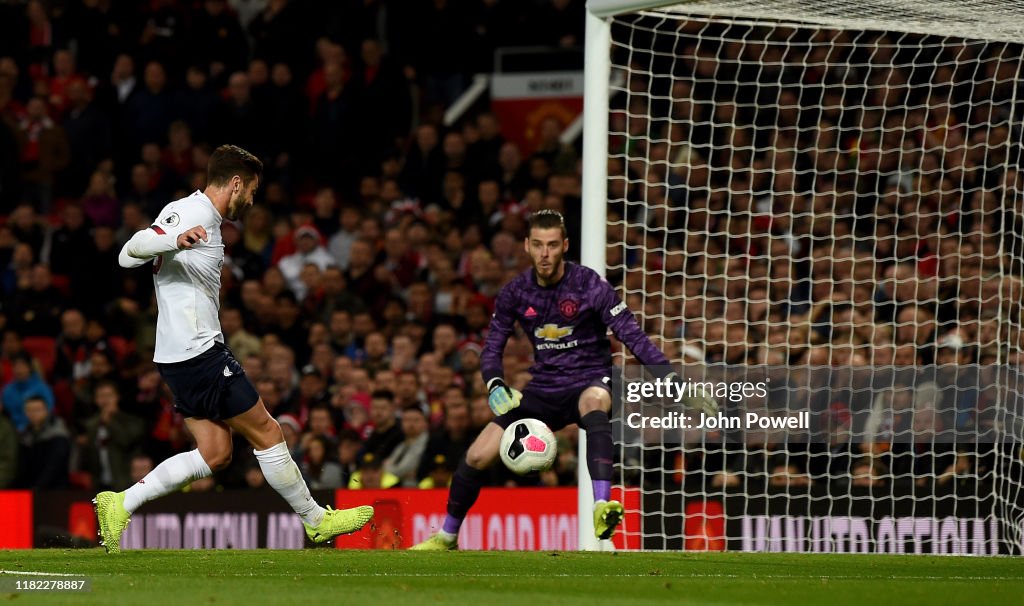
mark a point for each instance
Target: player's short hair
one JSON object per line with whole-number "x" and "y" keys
{"x": 547, "y": 219}
{"x": 230, "y": 160}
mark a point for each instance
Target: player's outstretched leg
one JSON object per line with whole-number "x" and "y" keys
{"x": 321, "y": 524}
{"x": 283, "y": 475}
{"x": 113, "y": 519}
{"x": 465, "y": 489}
{"x": 114, "y": 509}
{"x": 600, "y": 447}
{"x": 336, "y": 522}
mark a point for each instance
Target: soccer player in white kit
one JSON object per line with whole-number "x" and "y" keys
{"x": 210, "y": 387}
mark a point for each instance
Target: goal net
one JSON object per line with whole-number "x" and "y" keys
{"x": 825, "y": 197}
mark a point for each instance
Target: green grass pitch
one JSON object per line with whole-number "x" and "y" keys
{"x": 328, "y": 577}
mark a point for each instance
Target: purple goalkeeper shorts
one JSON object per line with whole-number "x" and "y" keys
{"x": 556, "y": 409}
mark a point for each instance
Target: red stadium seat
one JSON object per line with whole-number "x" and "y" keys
{"x": 62, "y": 284}
{"x": 44, "y": 350}
{"x": 82, "y": 480}
{"x": 64, "y": 398}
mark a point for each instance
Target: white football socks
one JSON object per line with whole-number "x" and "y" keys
{"x": 169, "y": 476}
{"x": 284, "y": 476}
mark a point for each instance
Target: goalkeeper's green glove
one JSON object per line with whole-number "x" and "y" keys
{"x": 502, "y": 398}
{"x": 698, "y": 400}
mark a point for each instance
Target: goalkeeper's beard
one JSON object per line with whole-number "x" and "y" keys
{"x": 552, "y": 271}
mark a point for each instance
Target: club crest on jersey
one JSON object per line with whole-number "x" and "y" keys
{"x": 170, "y": 220}
{"x": 569, "y": 308}
{"x": 552, "y": 332}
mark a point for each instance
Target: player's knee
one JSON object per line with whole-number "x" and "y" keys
{"x": 480, "y": 457}
{"x": 476, "y": 460}
{"x": 594, "y": 400}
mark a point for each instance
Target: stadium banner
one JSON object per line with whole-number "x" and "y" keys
{"x": 16, "y": 513}
{"x": 852, "y": 523}
{"x": 243, "y": 519}
{"x": 525, "y": 519}
{"x": 523, "y": 101}
{"x": 859, "y": 523}
{"x": 503, "y": 518}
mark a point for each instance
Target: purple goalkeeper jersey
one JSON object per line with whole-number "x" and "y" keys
{"x": 568, "y": 325}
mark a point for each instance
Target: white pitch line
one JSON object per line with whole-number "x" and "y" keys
{"x": 29, "y": 573}
{"x": 398, "y": 575}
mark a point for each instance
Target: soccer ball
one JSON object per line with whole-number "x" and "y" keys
{"x": 527, "y": 446}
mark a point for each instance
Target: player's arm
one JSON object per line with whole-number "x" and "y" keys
{"x": 501, "y": 397}
{"x": 171, "y": 232}
{"x": 620, "y": 319}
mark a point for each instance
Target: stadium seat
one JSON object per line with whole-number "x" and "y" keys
{"x": 81, "y": 480}
{"x": 64, "y": 398}
{"x": 44, "y": 350}
{"x": 62, "y": 284}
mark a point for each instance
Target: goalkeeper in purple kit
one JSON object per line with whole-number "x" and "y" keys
{"x": 566, "y": 310}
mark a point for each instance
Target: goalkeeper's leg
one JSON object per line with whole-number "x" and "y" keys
{"x": 465, "y": 488}
{"x": 595, "y": 404}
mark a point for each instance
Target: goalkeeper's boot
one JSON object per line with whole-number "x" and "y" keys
{"x": 113, "y": 519}
{"x": 437, "y": 542}
{"x": 607, "y": 516}
{"x": 337, "y": 522}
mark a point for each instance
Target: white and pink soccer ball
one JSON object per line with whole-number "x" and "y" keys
{"x": 528, "y": 446}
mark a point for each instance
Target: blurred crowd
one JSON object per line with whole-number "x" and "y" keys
{"x": 356, "y": 292}
{"x": 777, "y": 197}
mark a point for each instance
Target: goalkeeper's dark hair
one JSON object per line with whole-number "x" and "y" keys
{"x": 547, "y": 219}
{"x": 229, "y": 160}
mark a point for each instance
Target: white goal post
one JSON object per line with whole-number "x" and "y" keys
{"x": 828, "y": 193}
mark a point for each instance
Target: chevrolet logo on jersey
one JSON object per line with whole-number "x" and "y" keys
{"x": 552, "y": 332}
